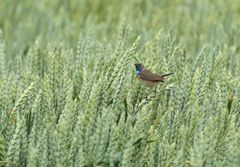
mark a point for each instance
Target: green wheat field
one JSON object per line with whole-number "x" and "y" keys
{"x": 69, "y": 95}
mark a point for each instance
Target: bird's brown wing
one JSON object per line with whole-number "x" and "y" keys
{"x": 147, "y": 75}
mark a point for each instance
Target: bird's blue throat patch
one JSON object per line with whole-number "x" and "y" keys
{"x": 138, "y": 72}
{"x": 138, "y": 69}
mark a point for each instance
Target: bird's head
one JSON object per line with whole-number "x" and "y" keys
{"x": 139, "y": 67}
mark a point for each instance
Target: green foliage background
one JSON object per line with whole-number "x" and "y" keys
{"x": 69, "y": 94}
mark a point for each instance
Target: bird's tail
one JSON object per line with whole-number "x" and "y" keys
{"x": 167, "y": 74}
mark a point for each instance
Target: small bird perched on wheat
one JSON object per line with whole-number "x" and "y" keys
{"x": 149, "y": 78}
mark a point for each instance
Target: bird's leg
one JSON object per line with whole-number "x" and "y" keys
{"x": 155, "y": 90}
{"x": 155, "y": 94}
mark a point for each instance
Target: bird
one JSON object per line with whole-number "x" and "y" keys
{"x": 149, "y": 78}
